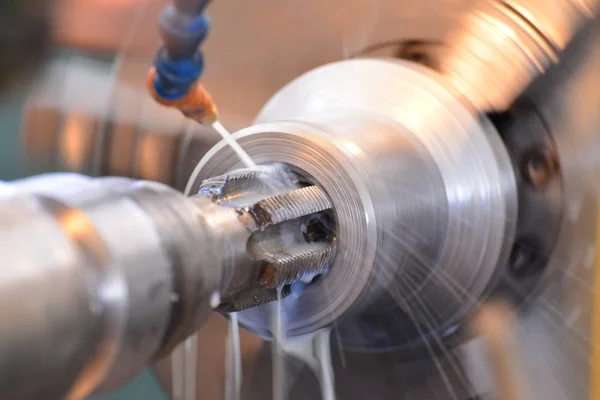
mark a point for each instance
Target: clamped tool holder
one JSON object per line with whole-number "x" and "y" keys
{"x": 173, "y": 81}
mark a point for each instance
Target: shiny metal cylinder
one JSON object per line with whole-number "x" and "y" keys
{"x": 423, "y": 191}
{"x": 102, "y": 276}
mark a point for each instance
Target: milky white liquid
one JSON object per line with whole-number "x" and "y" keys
{"x": 278, "y": 353}
{"x": 233, "y": 372}
{"x": 315, "y": 351}
{"x": 235, "y": 146}
{"x": 312, "y": 349}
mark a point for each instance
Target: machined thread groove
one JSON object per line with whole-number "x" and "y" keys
{"x": 288, "y": 206}
{"x": 288, "y": 241}
{"x": 310, "y": 260}
{"x": 246, "y": 180}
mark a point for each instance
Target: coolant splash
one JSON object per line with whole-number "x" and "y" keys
{"x": 313, "y": 349}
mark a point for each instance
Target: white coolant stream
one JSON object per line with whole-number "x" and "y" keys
{"x": 313, "y": 349}
{"x": 233, "y": 365}
{"x": 235, "y": 146}
{"x": 278, "y": 356}
{"x": 184, "y": 358}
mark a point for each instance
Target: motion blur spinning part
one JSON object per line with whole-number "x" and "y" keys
{"x": 423, "y": 192}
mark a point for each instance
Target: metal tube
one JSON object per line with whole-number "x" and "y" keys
{"x": 101, "y": 276}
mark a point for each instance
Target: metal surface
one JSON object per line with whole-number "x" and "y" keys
{"x": 419, "y": 208}
{"x": 534, "y": 156}
{"x": 104, "y": 275}
{"x": 280, "y": 245}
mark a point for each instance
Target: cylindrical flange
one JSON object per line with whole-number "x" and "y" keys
{"x": 423, "y": 192}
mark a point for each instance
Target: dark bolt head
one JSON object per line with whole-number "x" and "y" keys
{"x": 526, "y": 259}
{"x": 318, "y": 229}
{"x": 539, "y": 166}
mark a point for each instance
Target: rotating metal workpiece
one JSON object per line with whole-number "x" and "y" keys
{"x": 422, "y": 190}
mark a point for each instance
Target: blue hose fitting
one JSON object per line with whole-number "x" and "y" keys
{"x": 174, "y": 78}
{"x": 179, "y": 63}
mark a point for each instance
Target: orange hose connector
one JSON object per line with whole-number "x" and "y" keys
{"x": 197, "y": 104}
